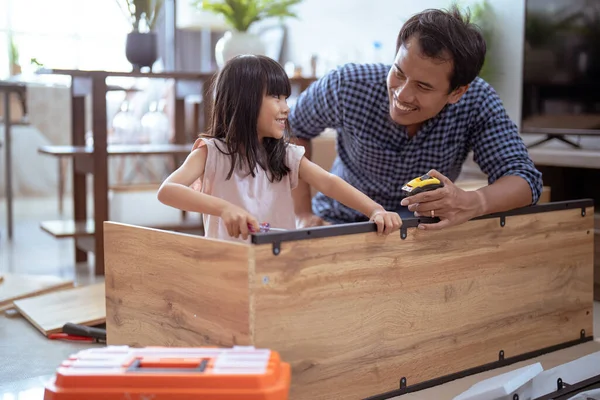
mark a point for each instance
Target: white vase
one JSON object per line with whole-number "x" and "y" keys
{"x": 234, "y": 43}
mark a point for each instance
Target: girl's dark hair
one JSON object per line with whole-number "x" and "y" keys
{"x": 240, "y": 87}
{"x": 448, "y": 34}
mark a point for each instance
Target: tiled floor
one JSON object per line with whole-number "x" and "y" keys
{"x": 22, "y": 370}
{"x": 32, "y": 251}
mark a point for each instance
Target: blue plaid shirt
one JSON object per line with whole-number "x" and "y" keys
{"x": 376, "y": 156}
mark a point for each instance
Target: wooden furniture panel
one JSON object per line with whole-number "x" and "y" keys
{"x": 419, "y": 308}
{"x": 19, "y": 286}
{"x": 193, "y": 289}
{"x": 353, "y": 312}
{"x": 549, "y": 361}
{"x": 83, "y": 305}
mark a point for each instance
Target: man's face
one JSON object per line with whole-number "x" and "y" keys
{"x": 418, "y": 86}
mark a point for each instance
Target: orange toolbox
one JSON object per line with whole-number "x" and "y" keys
{"x": 171, "y": 373}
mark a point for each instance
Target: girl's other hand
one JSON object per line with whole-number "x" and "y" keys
{"x": 237, "y": 220}
{"x": 387, "y": 222}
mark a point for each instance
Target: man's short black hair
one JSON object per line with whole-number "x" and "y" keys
{"x": 448, "y": 35}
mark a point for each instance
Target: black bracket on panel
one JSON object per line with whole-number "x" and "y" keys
{"x": 276, "y": 238}
{"x": 501, "y": 355}
{"x": 276, "y": 248}
{"x": 560, "y": 384}
{"x": 403, "y": 383}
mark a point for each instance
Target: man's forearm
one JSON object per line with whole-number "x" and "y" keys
{"x": 506, "y": 193}
{"x": 301, "y": 194}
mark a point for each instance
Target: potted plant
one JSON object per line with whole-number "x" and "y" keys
{"x": 240, "y": 15}
{"x": 140, "y": 46}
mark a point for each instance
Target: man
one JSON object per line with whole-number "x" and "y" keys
{"x": 423, "y": 114}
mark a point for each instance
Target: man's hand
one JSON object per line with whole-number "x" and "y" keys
{"x": 308, "y": 220}
{"x": 451, "y": 204}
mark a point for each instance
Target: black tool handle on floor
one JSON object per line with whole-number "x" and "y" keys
{"x": 82, "y": 330}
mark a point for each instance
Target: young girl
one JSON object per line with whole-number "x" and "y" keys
{"x": 245, "y": 168}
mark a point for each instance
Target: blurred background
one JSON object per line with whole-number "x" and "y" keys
{"x": 103, "y": 98}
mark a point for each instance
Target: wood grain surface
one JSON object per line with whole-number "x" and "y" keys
{"x": 354, "y": 314}
{"x": 172, "y": 289}
{"x": 82, "y": 305}
{"x": 20, "y": 286}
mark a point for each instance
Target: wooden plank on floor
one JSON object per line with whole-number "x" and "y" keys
{"x": 83, "y": 305}
{"x": 20, "y": 286}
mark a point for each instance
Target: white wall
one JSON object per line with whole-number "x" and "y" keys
{"x": 340, "y": 31}
{"x": 507, "y": 53}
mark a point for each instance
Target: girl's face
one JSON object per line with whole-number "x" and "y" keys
{"x": 272, "y": 118}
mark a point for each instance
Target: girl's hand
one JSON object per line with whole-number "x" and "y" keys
{"x": 387, "y": 222}
{"x": 237, "y": 220}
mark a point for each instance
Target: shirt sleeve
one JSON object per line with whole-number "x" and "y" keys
{"x": 294, "y": 155}
{"x": 499, "y": 150}
{"x": 317, "y": 108}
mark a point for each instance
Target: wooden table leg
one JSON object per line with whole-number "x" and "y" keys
{"x": 61, "y": 185}
{"x": 79, "y": 177}
{"x": 8, "y": 165}
{"x": 99, "y": 128}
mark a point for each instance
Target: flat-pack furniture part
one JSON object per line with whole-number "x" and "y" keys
{"x": 577, "y": 379}
{"x": 359, "y": 315}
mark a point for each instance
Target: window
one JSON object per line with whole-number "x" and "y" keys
{"x": 70, "y": 34}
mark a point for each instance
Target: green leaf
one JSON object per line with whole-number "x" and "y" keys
{"x": 241, "y": 14}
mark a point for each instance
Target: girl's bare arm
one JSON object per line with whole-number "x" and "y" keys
{"x": 175, "y": 191}
{"x": 335, "y": 187}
